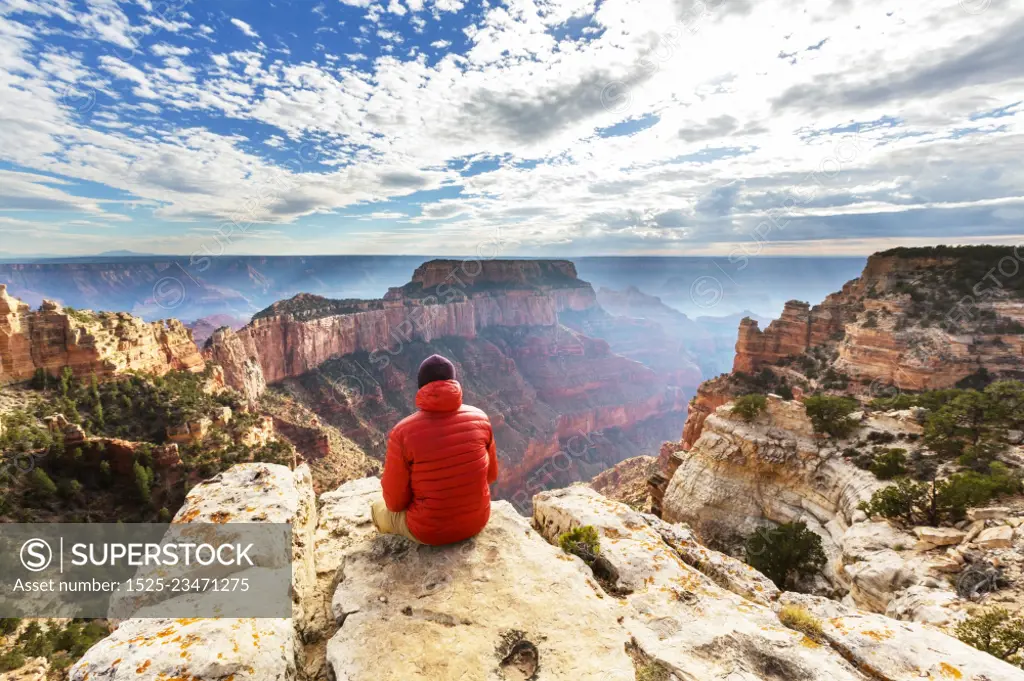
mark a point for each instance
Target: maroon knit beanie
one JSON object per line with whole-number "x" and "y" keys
{"x": 435, "y": 368}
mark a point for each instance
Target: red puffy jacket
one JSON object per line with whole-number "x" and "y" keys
{"x": 439, "y": 464}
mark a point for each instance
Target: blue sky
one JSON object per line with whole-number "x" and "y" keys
{"x": 542, "y": 127}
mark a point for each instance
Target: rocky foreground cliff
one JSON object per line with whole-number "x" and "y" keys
{"x": 101, "y": 344}
{"x": 508, "y": 605}
{"x": 565, "y": 405}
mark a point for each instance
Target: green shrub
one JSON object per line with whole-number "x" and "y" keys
{"x": 901, "y": 401}
{"x": 750, "y": 406}
{"x": 42, "y": 483}
{"x": 975, "y": 489}
{"x": 12, "y": 659}
{"x": 143, "y": 482}
{"x": 798, "y": 618}
{"x": 583, "y": 542}
{"x": 889, "y": 464}
{"x": 785, "y": 553}
{"x": 899, "y": 501}
{"x": 830, "y": 415}
{"x": 941, "y": 501}
{"x": 995, "y": 632}
{"x": 8, "y": 625}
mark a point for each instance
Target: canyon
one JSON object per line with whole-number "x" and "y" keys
{"x": 102, "y": 344}
{"x": 564, "y": 404}
{"x": 576, "y": 383}
{"x": 901, "y": 326}
{"x": 709, "y": 341}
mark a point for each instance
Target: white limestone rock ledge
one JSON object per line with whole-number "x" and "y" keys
{"x": 679, "y": 616}
{"x": 505, "y": 605}
{"x": 240, "y": 649}
{"x": 509, "y": 606}
{"x": 900, "y": 650}
{"x": 742, "y": 475}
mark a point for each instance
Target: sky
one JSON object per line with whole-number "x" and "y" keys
{"x": 524, "y": 127}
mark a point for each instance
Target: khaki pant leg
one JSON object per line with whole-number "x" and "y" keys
{"x": 390, "y": 522}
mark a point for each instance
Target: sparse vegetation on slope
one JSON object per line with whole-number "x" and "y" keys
{"x": 941, "y": 501}
{"x": 110, "y": 472}
{"x": 964, "y": 428}
{"x": 831, "y": 415}
{"x": 60, "y": 644}
{"x": 800, "y": 619}
{"x": 785, "y": 554}
{"x": 996, "y": 632}
{"x": 749, "y": 407}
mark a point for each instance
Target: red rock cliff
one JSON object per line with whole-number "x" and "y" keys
{"x": 915, "y": 319}
{"x": 295, "y": 336}
{"x": 797, "y": 329}
{"x": 103, "y": 344}
{"x": 563, "y": 404}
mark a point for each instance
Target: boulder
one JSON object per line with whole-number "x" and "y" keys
{"x": 678, "y": 616}
{"x": 503, "y": 605}
{"x": 159, "y": 649}
{"x": 1000, "y": 537}
{"x": 242, "y": 649}
{"x": 920, "y": 603}
{"x": 900, "y": 651}
{"x": 973, "y": 530}
{"x": 990, "y": 513}
{"x": 940, "y": 536}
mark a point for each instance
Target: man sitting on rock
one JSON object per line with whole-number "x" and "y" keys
{"x": 439, "y": 464}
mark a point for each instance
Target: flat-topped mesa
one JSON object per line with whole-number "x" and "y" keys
{"x": 89, "y": 343}
{"x": 445, "y": 298}
{"x": 505, "y": 273}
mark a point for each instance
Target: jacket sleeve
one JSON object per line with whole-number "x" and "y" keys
{"x": 395, "y": 480}
{"x": 492, "y": 461}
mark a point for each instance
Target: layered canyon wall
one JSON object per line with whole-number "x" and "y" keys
{"x": 295, "y": 336}
{"x": 912, "y": 321}
{"x": 917, "y": 319}
{"x": 100, "y": 344}
{"x": 564, "y": 405}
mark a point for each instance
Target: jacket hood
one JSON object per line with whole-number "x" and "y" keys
{"x": 440, "y": 396}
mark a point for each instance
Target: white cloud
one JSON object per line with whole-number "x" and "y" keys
{"x": 448, "y": 5}
{"x": 244, "y": 28}
{"x": 165, "y": 50}
{"x": 654, "y": 132}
